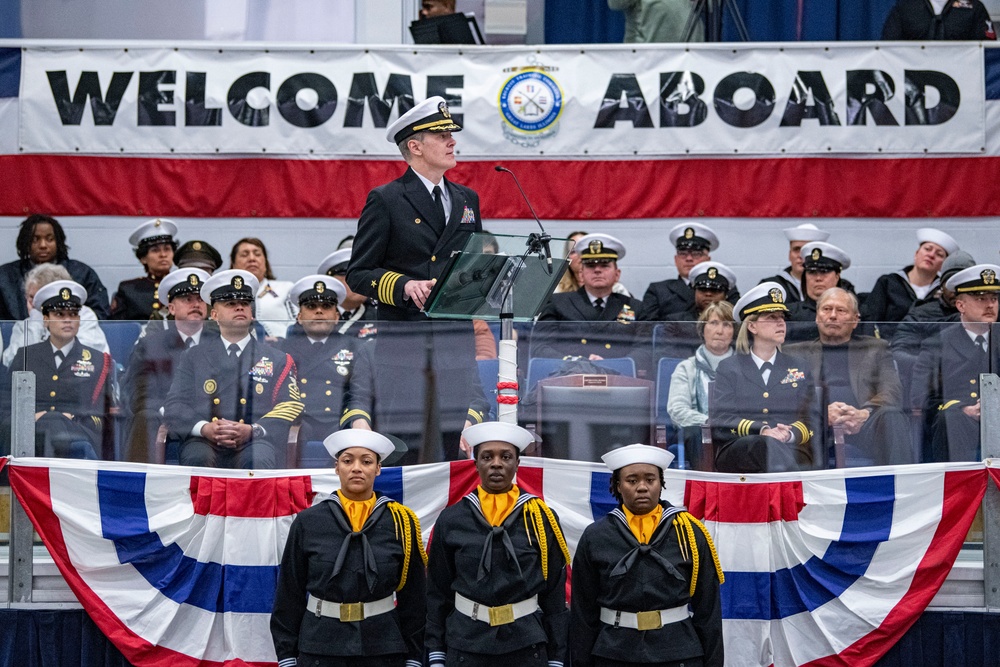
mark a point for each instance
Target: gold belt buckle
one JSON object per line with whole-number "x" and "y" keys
{"x": 502, "y": 615}
{"x": 351, "y": 612}
{"x": 649, "y": 620}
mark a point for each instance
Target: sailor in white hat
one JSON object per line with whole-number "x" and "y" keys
{"x": 616, "y": 613}
{"x": 791, "y": 276}
{"x": 496, "y": 573}
{"x": 949, "y": 366}
{"x": 73, "y": 381}
{"x": 153, "y": 243}
{"x": 765, "y": 398}
{"x": 603, "y": 318}
{"x": 822, "y": 266}
{"x": 895, "y": 293}
{"x": 334, "y": 371}
{"x": 357, "y": 312}
{"x": 157, "y": 356}
{"x": 234, "y": 398}
{"x": 408, "y": 230}
{"x": 353, "y": 566}
{"x": 693, "y": 243}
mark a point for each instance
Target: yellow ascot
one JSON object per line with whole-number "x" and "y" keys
{"x": 497, "y": 506}
{"x": 643, "y": 525}
{"x": 358, "y": 511}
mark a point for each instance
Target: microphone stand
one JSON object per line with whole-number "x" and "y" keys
{"x": 538, "y": 244}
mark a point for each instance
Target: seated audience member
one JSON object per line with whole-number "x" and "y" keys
{"x": 860, "y": 385}
{"x": 895, "y": 293}
{"x": 154, "y": 243}
{"x": 272, "y": 309}
{"x": 41, "y": 240}
{"x": 763, "y": 411}
{"x": 233, "y": 399}
{"x": 711, "y": 281}
{"x": 688, "y": 401}
{"x": 156, "y": 357}
{"x": 334, "y": 394}
{"x": 790, "y": 278}
{"x": 357, "y": 313}
{"x": 658, "y": 20}
{"x": 432, "y": 8}
{"x": 606, "y": 321}
{"x": 946, "y": 374}
{"x": 822, "y": 265}
{"x": 32, "y": 329}
{"x": 927, "y": 316}
{"x": 570, "y": 281}
{"x": 666, "y": 297}
{"x": 72, "y": 381}
{"x": 925, "y": 20}
{"x": 198, "y": 255}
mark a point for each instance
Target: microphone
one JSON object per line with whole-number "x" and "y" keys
{"x": 539, "y": 242}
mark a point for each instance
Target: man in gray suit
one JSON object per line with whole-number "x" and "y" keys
{"x": 860, "y": 384}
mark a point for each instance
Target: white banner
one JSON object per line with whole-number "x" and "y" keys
{"x": 513, "y": 102}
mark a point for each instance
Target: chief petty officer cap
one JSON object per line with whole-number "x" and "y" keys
{"x": 199, "y": 254}
{"x": 153, "y": 232}
{"x": 806, "y": 232}
{"x": 431, "y": 115}
{"x": 180, "y": 282}
{"x": 337, "y": 442}
{"x": 317, "y": 288}
{"x": 599, "y": 248}
{"x": 512, "y": 434}
{"x": 712, "y": 276}
{"x": 819, "y": 255}
{"x": 231, "y": 285}
{"x": 617, "y": 459}
{"x": 764, "y": 298}
{"x": 335, "y": 263}
{"x": 61, "y": 294}
{"x": 693, "y": 236}
{"x": 931, "y": 235}
{"x": 978, "y": 278}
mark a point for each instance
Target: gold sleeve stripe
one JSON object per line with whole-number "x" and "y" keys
{"x": 476, "y": 416}
{"x": 351, "y": 414}
{"x": 386, "y": 284}
{"x": 945, "y": 406}
{"x": 286, "y": 410}
{"x": 804, "y": 430}
{"x": 744, "y": 427}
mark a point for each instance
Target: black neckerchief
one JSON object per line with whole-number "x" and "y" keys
{"x": 486, "y": 557}
{"x": 371, "y": 568}
{"x": 659, "y": 534}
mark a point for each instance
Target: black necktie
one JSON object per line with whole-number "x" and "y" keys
{"x": 599, "y": 305}
{"x": 981, "y": 344}
{"x": 764, "y": 368}
{"x": 190, "y": 343}
{"x": 234, "y": 350}
{"x": 60, "y": 357}
{"x": 439, "y": 201}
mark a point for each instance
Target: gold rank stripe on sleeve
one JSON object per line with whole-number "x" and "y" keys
{"x": 804, "y": 430}
{"x": 945, "y": 406}
{"x": 286, "y": 410}
{"x": 744, "y": 427}
{"x": 293, "y": 392}
{"x": 475, "y": 416}
{"x": 351, "y": 414}
{"x": 386, "y": 285}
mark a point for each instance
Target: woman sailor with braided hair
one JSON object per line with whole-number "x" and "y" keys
{"x": 351, "y": 590}
{"x": 496, "y": 578}
{"x": 645, "y": 577}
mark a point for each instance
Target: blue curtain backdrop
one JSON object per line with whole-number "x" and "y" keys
{"x": 590, "y": 21}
